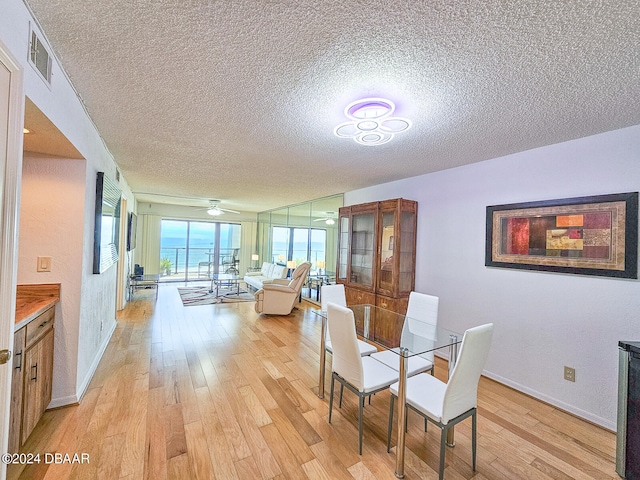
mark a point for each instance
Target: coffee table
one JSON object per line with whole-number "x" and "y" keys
{"x": 228, "y": 280}
{"x": 149, "y": 280}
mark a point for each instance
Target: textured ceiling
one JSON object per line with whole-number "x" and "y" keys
{"x": 237, "y": 100}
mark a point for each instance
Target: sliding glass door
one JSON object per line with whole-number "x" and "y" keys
{"x": 280, "y": 250}
{"x": 202, "y": 241}
{"x": 192, "y": 250}
{"x": 299, "y": 245}
{"x": 173, "y": 249}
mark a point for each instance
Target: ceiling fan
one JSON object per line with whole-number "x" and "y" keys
{"x": 329, "y": 219}
{"x": 214, "y": 209}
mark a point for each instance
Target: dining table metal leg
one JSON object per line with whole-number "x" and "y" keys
{"x": 402, "y": 411}
{"x": 323, "y": 355}
{"x": 453, "y": 357}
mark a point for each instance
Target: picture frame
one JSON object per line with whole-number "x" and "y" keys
{"x": 596, "y": 235}
{"x": 106, "y": 233}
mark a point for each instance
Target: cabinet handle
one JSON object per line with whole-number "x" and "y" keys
{"x": 35, "y": 377}
{"x": 43, "y": 324}
{"x": 19, "y": 367}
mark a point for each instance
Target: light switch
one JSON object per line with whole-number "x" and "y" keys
{"x": 44, "y": 264}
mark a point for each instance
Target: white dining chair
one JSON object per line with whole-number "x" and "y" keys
{"x": 421, "y": 321}
{"x": 361, "y": 375}
{"x": 336, "y": 294}
{"x": 446, "y": 404}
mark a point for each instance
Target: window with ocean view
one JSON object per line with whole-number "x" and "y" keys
{"x": 299, "y": 244}
{"x": 192, "y": 250}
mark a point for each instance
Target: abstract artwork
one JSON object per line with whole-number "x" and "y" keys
{"x": 588, "y": 235}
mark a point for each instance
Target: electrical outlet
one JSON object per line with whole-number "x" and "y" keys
{"x": 569, "y": 374}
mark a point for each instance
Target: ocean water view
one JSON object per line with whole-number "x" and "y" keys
{"x": 187, "y": 245}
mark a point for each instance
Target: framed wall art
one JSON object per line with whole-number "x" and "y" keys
{"x": 587, "y": 235}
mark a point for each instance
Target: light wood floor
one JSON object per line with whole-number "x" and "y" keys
{"x": 217, "y": 391}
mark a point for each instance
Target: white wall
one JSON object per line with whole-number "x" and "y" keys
{"x": 50, "y": 207}
{"x": 93, "y": 295}
{"x": 543, "y": 321}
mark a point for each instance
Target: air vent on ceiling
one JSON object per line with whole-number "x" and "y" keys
{"x": 39, "y": 57}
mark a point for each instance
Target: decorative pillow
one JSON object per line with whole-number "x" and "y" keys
{"x": 266, "y": 268}
{"x": 279, "y": 271}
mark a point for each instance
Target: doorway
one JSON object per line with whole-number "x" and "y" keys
{"x": 11, "y": 121}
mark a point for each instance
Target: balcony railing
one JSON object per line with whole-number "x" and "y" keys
{"x": 174, "y": 266}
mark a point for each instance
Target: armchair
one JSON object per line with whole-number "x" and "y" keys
{"x": 278, "y": 298}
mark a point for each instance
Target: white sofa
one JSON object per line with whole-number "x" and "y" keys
{"x": 267, "y": 274}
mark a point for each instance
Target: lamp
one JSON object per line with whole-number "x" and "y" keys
{"x": 320, "y": 264}
{"x": 291, "y": 264}
{"x": 280, "y": 258}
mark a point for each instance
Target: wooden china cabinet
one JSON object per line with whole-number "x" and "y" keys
{"x": 377, "y": 252}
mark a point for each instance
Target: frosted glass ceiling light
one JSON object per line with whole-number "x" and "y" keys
{"x": 371, "y": 122}
{"x": 369, "y": 108}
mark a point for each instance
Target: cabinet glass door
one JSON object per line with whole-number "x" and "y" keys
{"x": 362, "y": 249}
{"x": 343, "y": 249}
{"x": 406, "y": 250}
{"x": 387, "y": 247}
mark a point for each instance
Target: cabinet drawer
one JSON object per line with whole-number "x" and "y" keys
{"x": 39, "y": 326}
{"x": 359, "y": 297}
{"x": 398, "y": 305}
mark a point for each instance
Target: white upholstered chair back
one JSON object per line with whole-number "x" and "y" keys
{"x": 422, "y": 318}
{"x": 347, "y": 361}
{"x": 461, "y": 393}
{"x": 334, "y": 294}
{"x": 423, "y": 307}
{"x": 299, "y": 276}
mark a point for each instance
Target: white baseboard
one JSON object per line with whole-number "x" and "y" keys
{"x": 588, "y": 416}
{"x": 73, "y": 399}
{"x": 63, "y": 401}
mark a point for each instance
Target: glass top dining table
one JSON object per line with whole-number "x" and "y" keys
{"x": 406, "y": 337}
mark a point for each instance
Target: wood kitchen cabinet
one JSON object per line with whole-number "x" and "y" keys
{"x": 15, "y": 419}
{"x": 32, "y": 376}
{"x": 377, "y": 252}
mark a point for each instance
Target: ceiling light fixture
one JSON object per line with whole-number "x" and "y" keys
{"x": 371, "y": 122}
{"x": 329, "y": 219}
{"x": 215, "y": 211}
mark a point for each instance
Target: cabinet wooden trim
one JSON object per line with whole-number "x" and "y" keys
{"x": 17, "y": 382}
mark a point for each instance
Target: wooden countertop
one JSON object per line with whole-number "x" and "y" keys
{"x": 33, "y": 299}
